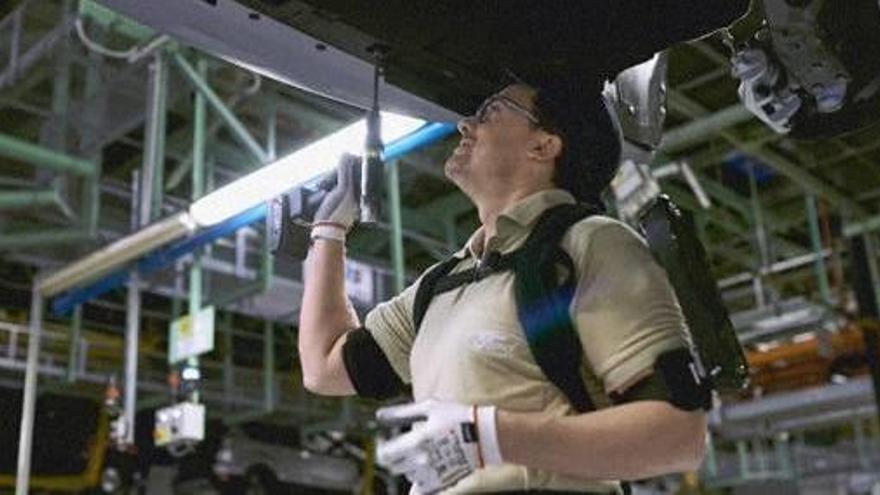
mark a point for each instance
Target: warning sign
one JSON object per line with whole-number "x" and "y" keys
{"x": 190, "y": 337}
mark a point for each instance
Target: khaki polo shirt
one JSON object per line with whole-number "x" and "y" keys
{"x": 471, "y": 348}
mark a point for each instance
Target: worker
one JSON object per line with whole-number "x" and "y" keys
{"x": 490, "y": 420}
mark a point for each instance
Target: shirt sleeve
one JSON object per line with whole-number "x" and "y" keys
{"x": 391, "y": 325}
{"x": 625, "y": 309}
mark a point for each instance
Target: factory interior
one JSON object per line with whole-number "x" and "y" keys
{"x": 148, "y": 323}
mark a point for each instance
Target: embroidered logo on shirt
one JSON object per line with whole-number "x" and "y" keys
{"x": 493, "y": 343}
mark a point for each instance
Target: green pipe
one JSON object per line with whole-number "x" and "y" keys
{"x": 258, "y": 286}
{"x": 699, "y": 130}
{"x": 238, "y": 129}
{"x": 25, "y": 199}
{"x": 157, "y": 125}
{"x": 75, "y": 331}
{"x": 711, "y": 462}
{"x": 266, "y": 271}
{"x": 743, "y": 456}
{"x": 18, "y": 149}
{"x": 110, "y": 19}
{"x": 42, "y": 238}
{"x": 199, "y": 121}
{"x": 816, "y": 242}
{"x": 268, "y": 366}
{"x": 396, "y": 226}
{"x": 184, "y": 166}
{"x": 267, "y": 262}
{"x": 197, "y": 189}
{"x": 61, "y": 92}
{"x": 783, "y": 455}
{"x": 228, "y": 361}
{"x": 91, "y": 194}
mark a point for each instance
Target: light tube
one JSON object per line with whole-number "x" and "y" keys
{"x": 295, "y": 169}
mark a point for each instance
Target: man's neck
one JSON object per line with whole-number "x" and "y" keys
{"x": 489, "y": 208}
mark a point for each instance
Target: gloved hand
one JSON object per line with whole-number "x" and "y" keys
{"x": 339, "y": 209}
{"x": 448, "y": 441}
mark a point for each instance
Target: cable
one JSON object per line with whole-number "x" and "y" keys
{"x": 96, "y": 47}
{"x": 131, "y": 55}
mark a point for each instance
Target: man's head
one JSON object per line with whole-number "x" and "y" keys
{"x": 527, "y": 138}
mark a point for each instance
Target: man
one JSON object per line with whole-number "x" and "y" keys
{"x": 527, "y": 149}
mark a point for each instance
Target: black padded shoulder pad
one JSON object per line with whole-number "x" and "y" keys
{"x": 674, "y": 380}
{"x": 368, "y": 367}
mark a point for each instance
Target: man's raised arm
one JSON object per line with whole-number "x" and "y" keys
{"x": 326, "y": 315}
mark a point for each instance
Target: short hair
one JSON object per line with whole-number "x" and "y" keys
{"x": 577, "y": 112}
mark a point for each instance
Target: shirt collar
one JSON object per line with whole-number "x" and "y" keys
{"x": 517, "y": 220}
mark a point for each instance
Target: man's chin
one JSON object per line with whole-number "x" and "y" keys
{"x": 456, "y": 165}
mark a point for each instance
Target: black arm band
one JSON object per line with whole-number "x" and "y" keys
{"x": 368, "y": 367}
{"x": 674, "y": 380}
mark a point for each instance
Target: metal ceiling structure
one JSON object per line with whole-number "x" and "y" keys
{"x": 107, "y": 130}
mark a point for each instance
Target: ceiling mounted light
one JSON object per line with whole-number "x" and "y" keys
{"x": 295, "y": 169}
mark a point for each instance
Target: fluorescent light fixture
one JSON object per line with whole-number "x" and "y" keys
{"x": 299, "y": 167}
{"x": 117, "y": 254}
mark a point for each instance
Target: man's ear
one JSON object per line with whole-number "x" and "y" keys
{"x": 546, "y": 147}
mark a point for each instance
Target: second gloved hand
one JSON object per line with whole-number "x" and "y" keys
{"x": 339, "y": 209}
{"x": 448, "y": 441}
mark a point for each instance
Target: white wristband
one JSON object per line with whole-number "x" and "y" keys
{"x": 331, "y": 232}
{"x": 488, "y": 435}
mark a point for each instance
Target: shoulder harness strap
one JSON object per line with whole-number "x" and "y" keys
{"x": 542, "y": 300}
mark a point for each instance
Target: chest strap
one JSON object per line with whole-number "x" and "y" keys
{"x": 544, "y": 283}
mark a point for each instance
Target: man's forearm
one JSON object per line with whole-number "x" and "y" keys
{"x": 631, "y": 441}
{"x": 325, "y": 316}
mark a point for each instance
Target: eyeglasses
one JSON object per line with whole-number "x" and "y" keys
{"x": 493, "y": 104}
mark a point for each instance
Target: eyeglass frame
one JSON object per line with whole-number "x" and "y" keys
{"x": 480, "y": 114}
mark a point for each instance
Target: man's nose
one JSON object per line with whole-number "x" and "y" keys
{"x": 466, "y": 126}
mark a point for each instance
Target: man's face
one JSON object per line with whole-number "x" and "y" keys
{"x": 494, "y": 141}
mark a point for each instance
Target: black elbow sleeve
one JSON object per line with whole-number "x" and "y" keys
{"x": 674, "y": 380}
{"x": 368, "y": 368}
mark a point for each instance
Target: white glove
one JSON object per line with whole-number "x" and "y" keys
{"x": 448, "y": 442}
{"x": 339, "y": 209}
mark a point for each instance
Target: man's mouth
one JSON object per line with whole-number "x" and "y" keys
{"x": 463, "y": 146}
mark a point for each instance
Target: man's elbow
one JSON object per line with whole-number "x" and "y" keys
{"x": 314, "y": 384}
{"x": 693, "y": 442}
{"x": 320, "y": 384}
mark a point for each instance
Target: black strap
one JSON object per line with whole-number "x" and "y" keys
{"x": 542, "y": 299}
{"x": 543, "y": 303}
{"x": 368, "y": 367}
{"x": 425, "y": 292}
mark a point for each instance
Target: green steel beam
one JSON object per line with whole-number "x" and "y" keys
{"x": 91, "y": 191}
{"x": 196, "y": 191}
{"x": 396, "y": 232}
{"x": 18, "y": 149}
{"x": 773, "y": 221}
{"x": 113, "y": 21}
{"x": 718, "y": 217}
{"x": 42, "y": 238}
{"x": 199, "y": 132}
{"x": 700, "y": 129}
{"x": 154, "y": 144}
{"x": 816, "y": 242}
{"x": 13, "y": 200}
{"x": 799, "y": 174}
{"x": 73, "y": 350}
{"x": 451, "y": 205}
{"x": 235, "y": 125}
{"x": 177, "y": 176}
{"x": 269, "y": 399}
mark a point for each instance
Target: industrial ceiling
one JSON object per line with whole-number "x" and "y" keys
{"x": 778, "y": 204}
